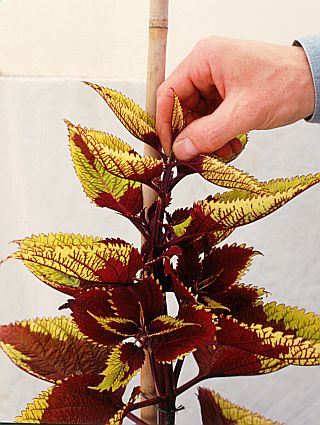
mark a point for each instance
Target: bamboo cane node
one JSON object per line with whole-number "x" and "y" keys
{"x": 158, "y": 23}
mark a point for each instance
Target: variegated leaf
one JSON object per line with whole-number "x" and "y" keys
{"x": 141, "y": 302}
{"x": 124, "y": 362}
{"x": 102, "y": 187}
{"x": 42, "y": 348}
{"x": 178, "y": 120}
{"x": 134, "y": 118}
{"x": 73, "y": 402}
{"x": 166, "y": 324}
{"x": 120, "y": 326}
{"x": 105, "y": 139}
{"x": 108, "y": 317}
{"x": 267, "y": 342}
{"x": 57, "y": 239}
{"x": 217, "y": 410}
{"x": 88, "y": 310}
{"x": 243, "y": 349}
{"x": 221, "y": 174}
{"x": 126, "y": 165}
{"x": 181, "y": 291}
{"x": 289, "y": 320}
{"x": 236, "y": 208}
{"x": 221, "y": 214}
{"x": 223, "y": 360}
{"x": 215, "y": 305}
{"x": 69, "y": 262}
{"x": 195, "y": 226}
{"x": 244, "y": 302}
{"x": 200, "y": 332}
{"x": 181, "y": 227}
{"x": 223, "y": 267}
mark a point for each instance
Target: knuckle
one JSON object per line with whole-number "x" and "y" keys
{"x": 164, "y": 91}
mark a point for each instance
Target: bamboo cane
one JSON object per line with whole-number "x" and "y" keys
{"x": 158, "y": 28}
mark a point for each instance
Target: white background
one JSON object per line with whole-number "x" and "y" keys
{"x": 108, "y": 38}
{"x": 104, "y": 41}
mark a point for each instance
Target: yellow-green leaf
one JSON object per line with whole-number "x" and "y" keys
{"x": 131, "y": 115}
{"x": 131, "y": 166}
{"x": 177, "y": 119}
{"x": 73, "y": 260}
{"x": 275, "y": 344}
{"x": 216, "y": 409}
{"x": 181, "y": 228}
{"x": 236, "y": 208}
{"x": 102, "y": 187}
{"x": 225, "y": 175}
{"x": 214, "y": 305}
{"x": 124, "y": 362}
{"x": 165, "y": 324}
{"x": 56, "y": 239}
{"x": 305, "y": 325}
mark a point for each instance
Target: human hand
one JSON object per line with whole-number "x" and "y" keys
{"x": 228, "y": 87}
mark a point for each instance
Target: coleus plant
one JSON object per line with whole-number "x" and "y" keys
{"x": 119, "y": 314}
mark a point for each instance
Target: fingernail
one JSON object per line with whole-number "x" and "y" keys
{"x": 184, "y": 149}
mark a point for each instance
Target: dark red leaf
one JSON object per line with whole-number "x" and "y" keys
{"x": 222, "y": 267}
{"x": 72, "y": 402}
{"x": 178, "y": 216}
{"x": 49, "y": 357}
{"x": 189, "y": 267}
{"x": 243, "y": 303}
{"x": 133, "y": 356}
{"x": 210, "y": 411}
{"x": 183, "y": 294}
{"x": 152, "y": 139}
{"x": 233, "y": 334}
{"x": 227, "y": 361}
{"x": 129, "y": 203}
{"x": 168, "y": 347}
{"x": 94, "y": 302}
{"x": 141, "y": 301}
{"x": 117, "y": 271}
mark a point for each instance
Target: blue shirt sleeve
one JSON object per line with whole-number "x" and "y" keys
{"x": 311, "y": 46}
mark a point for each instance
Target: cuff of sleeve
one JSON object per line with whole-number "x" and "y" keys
{"x": 311, "y": 46}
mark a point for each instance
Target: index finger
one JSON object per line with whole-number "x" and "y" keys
{"x": 181, "y": 84}
{"x": 163, "y": 118}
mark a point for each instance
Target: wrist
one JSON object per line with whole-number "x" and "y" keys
{"x": 304, "y": 86}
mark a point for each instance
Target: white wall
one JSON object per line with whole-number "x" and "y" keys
{"x": 108, "y": 38}
{"x": 40, "y": 193}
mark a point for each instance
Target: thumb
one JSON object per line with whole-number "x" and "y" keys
{"x": 209, "y": 133}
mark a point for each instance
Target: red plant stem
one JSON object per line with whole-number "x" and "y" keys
{"x": 146, "y": 403}
{"x": 177, "y": 371}
{"x": 171, "y": 384}
{"x": 135, "y": 419}
{"x": 154, "y": 371}
{"x": 190, "y": 384}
